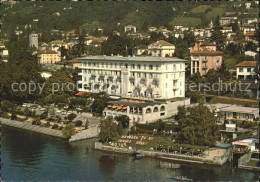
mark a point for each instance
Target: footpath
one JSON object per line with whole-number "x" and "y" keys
{"x": 215, "y": 157}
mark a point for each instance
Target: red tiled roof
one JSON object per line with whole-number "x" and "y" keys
{"x": 47, "y": 52}
{"x": 250, "y": 34}
{"x": 76, "y": 60}
{"x": 79, "y": 93}
{"x": 162, "y": 43}
{"x": 207, "y": 52}
{"x": 227, "y": 28}
{"x": 247, "y": 64}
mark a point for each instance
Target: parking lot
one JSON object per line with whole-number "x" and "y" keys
{"x": 83, "y": 116}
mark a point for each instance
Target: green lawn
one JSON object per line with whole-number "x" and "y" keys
{"x": 252, "y": 163}
{"x": 200, "y": 9}
{"x": 187, "y": 21}
{"x": 230, "y": 62}
{"x": 233, "y": 101}
{"x": 215, "y": 12}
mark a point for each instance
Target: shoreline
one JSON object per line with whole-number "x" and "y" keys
{"x": 32, "y": 128}
{"x": 161, "y": 155}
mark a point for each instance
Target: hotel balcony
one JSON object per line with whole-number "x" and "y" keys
{"x": 80, "y": 73}
{"x": 205, "y": 61}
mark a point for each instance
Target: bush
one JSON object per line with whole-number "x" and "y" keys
{"x": 68, "y": 131}
{"x": 55, "y": 126}
{"x": 72, "y": 116}
{"x": 78, "y": 123}
{"x": 61, "y": 127}
{"x": 36, "y": 121}
{"x": 87, "y": 123}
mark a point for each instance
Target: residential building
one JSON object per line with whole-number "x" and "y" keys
{"x": 226, "y": 29}
{"x": 141, "y": 50}
{"x": 95, "y": 41}
{"x": 164, "y": 31}
{"x": 57, "y": 44}
{"x": 204, "y": 57}
{"x": 74, "y": 63}
{"x": 250, "y": 53}
{"x": 248, "y": 21}
{"x": 130, "y": 28}
{"x": 44, "y": 46}
{"x": 46, "y": 75}
{"x": 251, "y": 37}
{"x": 161, "y": 48}
{"x": 33, "y": 40}
{"x": 148, "y": 88}
{"x": 246, "y": 143}
{"x": 48, "y": 57}
{"x": 227, "y": 20}
{"x": 152, "y": 29}
{"x": 245, "y": 70}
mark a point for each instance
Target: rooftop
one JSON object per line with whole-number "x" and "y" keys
{"x": 136, "y": 58}
{"x": 247, "y": 64}
{"x": 161, "y": 43}
{"x": 58, "y": 42}
{"x": 76, "y": 60}
{"x": 47, "y": 52}
{"x": 135, "y": 103}
{"x": 209, "y": 52}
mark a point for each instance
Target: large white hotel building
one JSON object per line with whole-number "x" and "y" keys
{"x": 141, "y": 82}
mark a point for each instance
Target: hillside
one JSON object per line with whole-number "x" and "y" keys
{"x": 67, "y": 15}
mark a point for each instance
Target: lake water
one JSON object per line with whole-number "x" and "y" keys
{"x": 29, "y": 156}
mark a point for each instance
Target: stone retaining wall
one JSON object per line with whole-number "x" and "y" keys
{"x": 160, "y": 155}
{"x": 30, "y": 127}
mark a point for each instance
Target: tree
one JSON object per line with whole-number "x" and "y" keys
{"x": 68, "y": 131}
{"x": 217, "y": 35}
{"x": 160, "y": 124}
{"x": 99, "y": 103}
{"x": 108, "y": 129}
{"x": 181, "y": 113}
{"x": 123, "y": 119}
{"x": 198, "y": 127}
{"x": 120, "y": 128}
{"x": 87, "y": 124}
{"x": 78, "y": 123}
{"x": 72, "y": 116}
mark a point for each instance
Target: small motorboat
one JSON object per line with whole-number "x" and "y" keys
{"x": 138, "y": 155}
{"x": 182, "y": 178}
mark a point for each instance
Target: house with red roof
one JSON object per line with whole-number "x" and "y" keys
{"x": 204, "y": 56}
{"x": 245, "y": 70}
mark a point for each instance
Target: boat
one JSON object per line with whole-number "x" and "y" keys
{"x": 138, "y": 155}
{"x": 182, "y": 179}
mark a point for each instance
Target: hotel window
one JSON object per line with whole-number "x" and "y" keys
{"x": 120, "y": 64}
{"x": 240, "y": 69}
{"x": 126, "y": 66}
{"x": 107, "y": 65}
{"x": 166, "y": 75}
{"x": 166, "y": 67}
{"x": 150, "y": 67}
{"x": 94, "y": 64}
{"x": 138, "y": 75}
{"x": 133, "y": 74}
{"x": 139, "y": 66}
{"x": 174, "y": 67}
{"x": 85, "y": 79}
{"x": 150, "y": 75}
{"x": 111, "y": 65}
{"x": 145, "y": 75}
{"x": 133, "y": 66}
{"x": 144, "y": 67}
{"x": 98, "y": 65}
{"x": 102, "y": 65}
{"x": 248, "y": 70}
{"x": 157, "y": 67}
{"x": 115, "y": 65}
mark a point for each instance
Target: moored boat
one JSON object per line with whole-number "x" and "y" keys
{"x": 182, "y": 178}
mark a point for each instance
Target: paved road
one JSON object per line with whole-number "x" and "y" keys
{"x": 80, "y": 116}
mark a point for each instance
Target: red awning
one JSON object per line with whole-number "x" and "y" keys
{"x": 125, "y": 107}
{"x": 143, "y": 102}
{"x": 79, "y": 93}
{"x": 109, "y": 106}
{"x": 137, "y": 102}
{"x": 119, "y": 107}
{"x": 131, "y": 101}
{"x": 114, "y": 106}
{"x": 125, "y": 100}
{"x": 241, "y": 143}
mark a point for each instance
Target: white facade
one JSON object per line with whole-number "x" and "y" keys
{"x": 161, "y": 48}
{"x": 245, "y": 72}
{"x": 140, "y": 77}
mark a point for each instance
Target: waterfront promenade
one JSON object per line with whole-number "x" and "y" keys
{"x": 30, "y": 127}
{"x": 215, "y": 156}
